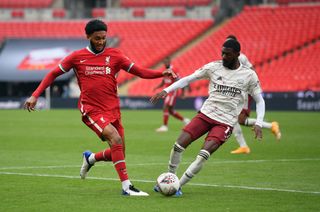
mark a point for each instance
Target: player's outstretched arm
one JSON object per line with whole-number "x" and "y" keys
{"x": 260, "y": 109}
{"x": 150, "y": 74}
{"x": 155, "y": 98}
{"x": 31, "y": 102}
{"x": 258, "y": 132}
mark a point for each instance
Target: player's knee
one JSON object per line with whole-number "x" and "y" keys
{"x": 171, "y": 111}
{"x": 117, "y": 140}
{"x": 184, "y": 139}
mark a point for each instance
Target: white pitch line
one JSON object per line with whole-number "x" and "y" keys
{"x": 153, "y": 181}
{"x": 160, "y": 164}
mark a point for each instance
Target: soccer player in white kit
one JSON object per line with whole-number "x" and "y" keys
{"x": 244, "y": 119}
{"x": 229, "y": 83}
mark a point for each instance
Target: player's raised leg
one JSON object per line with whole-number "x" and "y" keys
{"x": 243, "y": 147}
{"x": 273, "y": 126}
{"x": 90, "y": 158}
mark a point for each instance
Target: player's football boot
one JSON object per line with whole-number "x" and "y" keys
{"x": 241, "y": 150}
{"x": 163, "y": 128}
{"x": 179, "y": 193}
{"x": 186, "y": 121}
{"x": 275, "y": 129}
{"x": 132, "y": 191}
{"x": 86, "y": 166}
{"x": 156, "y": 188}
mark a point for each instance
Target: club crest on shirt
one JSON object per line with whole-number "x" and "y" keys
{"x": 107, "y": 60}
{"x": 240, "y": 82}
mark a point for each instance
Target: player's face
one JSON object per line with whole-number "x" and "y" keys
{"x": 98, "y": 40}
{"x": 167, "y": 63}
{"x": 229, "y": 57}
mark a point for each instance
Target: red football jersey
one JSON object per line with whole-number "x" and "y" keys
{"x": 96, "y": 75}
{"x": 169, "y": 80}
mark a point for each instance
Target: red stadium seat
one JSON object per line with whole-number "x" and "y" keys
{"x": 59, "y": 13}
{"x": 139, "y": 13}
{"x": 98, "y": 13}
{"x": 17, "y": 13}
{"x": 179, "y": 11}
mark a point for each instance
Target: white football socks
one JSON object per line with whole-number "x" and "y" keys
{"x": 92, "y": 158}
{"x": 195, "y": 167}
{"x": 251, "y": 122}
{"x": 126, "y": 184}
{"x": 175, "y": 158}
{"x": 237, "y": 131}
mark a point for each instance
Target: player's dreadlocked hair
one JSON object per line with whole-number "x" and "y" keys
{"x": 233, "y": 44}
{"x": 95, "y": 25}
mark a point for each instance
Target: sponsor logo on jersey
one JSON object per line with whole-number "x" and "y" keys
{"x": 226, "y": 90}
{"x": 99, "y": 70}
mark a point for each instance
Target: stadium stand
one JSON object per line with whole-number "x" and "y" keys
{"x": 164, "y": 3}
{"x": 98, "y": 13}
{"x": 142, "y": 41}
{"x": 286, "y": 2}
{"x": 25, "y": 3}
{"x": 295, "y": 71}
{"x": 268, "y": 44}
{"x": 59, "y": 13}
{"x": 299, "y": 26}
{"x": 139, "y": 12}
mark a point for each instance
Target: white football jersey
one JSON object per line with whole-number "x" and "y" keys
{"x": 244, "y": 60}
{"x": 227, "y": 90}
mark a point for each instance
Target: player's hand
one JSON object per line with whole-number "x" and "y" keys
{"x": 169, "y": 72}
{"x": 30, "y": 103}
{"x": 258, "y": 132}
{"x": 154, "y": 99}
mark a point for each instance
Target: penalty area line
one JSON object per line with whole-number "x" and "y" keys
{"x": 153, "y": 181}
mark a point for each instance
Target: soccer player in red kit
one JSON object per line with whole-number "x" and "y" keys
{"x": 170, "y": 100}
{"x": 96, "y": 67}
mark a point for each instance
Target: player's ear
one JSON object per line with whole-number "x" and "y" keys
{"x": 88, "y": 37}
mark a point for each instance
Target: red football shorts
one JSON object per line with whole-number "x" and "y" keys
{"x": 171, "y": 99}
{"x": 99, "y": 121}
{"x": 202, "y": 124}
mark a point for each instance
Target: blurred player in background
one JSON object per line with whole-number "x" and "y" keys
{"x": 229, "y": 83}
{"x": 170, "y": 100}
{"x": 244, "y": 119}
{"x": 96, "y": 67}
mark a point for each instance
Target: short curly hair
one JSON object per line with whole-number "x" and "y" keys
{"x": 95, "y": 25}
{"x": 233, "y": 44}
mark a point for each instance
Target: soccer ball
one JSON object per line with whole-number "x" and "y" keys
{"x": 168, "y": 183}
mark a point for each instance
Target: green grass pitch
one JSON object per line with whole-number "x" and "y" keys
{"x": 41, "y": 156}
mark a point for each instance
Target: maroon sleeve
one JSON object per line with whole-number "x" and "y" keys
{"x": 47, "y": 80}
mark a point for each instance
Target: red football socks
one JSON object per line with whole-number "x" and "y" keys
{"x": 177, "y": 115}
{"x": 165, "y": 117}
{"x": 119, "y": 162}
{"x": 104, "y": 155}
